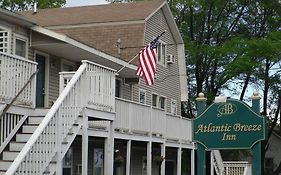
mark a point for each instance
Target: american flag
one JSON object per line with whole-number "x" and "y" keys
{"x": 147, "y": 61}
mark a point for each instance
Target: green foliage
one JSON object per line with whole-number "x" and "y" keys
{"x": 228, "y": 41}
{"x": 19, "y": 5}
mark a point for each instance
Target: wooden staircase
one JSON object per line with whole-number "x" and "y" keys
{"x": 21, "y": 138}
{"x": 15, "y": 146}
{"x": 44, "y": 141}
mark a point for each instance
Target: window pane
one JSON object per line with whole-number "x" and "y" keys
{"x": 117, "y": 88}
{"x": 159, "y": 53}
{"x": 163, "y": 54}
{"x": 20, "y": 48}
{"x": 154, "y": 100}
{"x": 162, "y": 102}
{"x": 142, "y": 97}
{"x": 3, "y": 41}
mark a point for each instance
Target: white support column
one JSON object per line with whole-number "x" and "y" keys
{"x": 128, "y": 157}
{"x": 192, "y": 157}
{"x": 163, "y": 153}
{"x": 59, "y": 143}
{"x": 212, "y": 163}
{"x": 149, "y": 157}
{"x": 179, "y": 161}
{"x": 85, "y": 143}
{"x": 108, "y": 151}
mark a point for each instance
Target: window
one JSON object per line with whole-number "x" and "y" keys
{"x": 268, "y": 165}
{"x": 67, "y": 162}
{"x": 4, "y": 40}
{"x": 162, "y": 102}
{"x": 161, "y": 58}
{"x": 117, "y": 88}
{"x": 173, "y": 107}
{"x": 142, "y": 96}
{"x": 158, "y": 101}
{"x": 154, "y": 100}
{"x": 20, "y": 46}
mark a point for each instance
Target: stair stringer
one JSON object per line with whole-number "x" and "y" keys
{"x": 65, "y": 145}
{"x": 218, "y": 162}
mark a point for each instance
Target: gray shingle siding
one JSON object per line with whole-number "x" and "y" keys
{"x": 167, "y": 83}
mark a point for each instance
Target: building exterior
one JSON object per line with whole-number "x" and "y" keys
{"x": 272, "y": 158}
{"x": 85, "y": 111}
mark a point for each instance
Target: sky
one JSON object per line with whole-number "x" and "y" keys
{"x": 73, "y": 3}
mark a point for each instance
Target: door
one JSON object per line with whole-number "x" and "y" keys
{"x": 169, "y": 169}
{"x": 40, "y": 81}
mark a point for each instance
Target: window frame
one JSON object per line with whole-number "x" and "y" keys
{"x": 162, "y": 57}
{"x": 142, "y": 91}
{"x": 120, "y": 87}
{"x": 158, "y": 103}
{"x": 176, "y": 106}
{"x": 8, "y": 39}
{"x": 21, "y": 38}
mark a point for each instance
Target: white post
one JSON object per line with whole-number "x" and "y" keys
{"x": 108, "y": 151}
{"x": 128, "y": 158}
{"x": 163, "y": 153}
{"x": 85, "y": 142}
{"x": 59, "y": 143}
{"x": 179, "y": 161}
{"x": 148, "y": 157}
{"x": 192, "y": 157}
{"x": 212, "y": 163}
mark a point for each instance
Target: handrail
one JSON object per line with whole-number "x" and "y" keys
{"x": 18, "y": 94}
{"x": 12, "y": 133}
{"x": 47, "y": 119}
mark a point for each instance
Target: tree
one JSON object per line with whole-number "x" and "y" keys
{"x": 20, "y": 5}
{"x": 231, "y": 46}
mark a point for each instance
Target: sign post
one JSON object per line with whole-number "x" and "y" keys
{"x": 256, "y": 168}
{"x": 201, "y": 154}
{"x": 228, "y": 125}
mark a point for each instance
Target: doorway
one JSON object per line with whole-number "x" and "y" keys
{"x": 40, "y": 80}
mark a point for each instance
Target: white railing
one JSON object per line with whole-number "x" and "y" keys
{"x": 101, "y": 86}
{"x": 9, "y": 124}
{"x": 14, "y": 73}
{"x": 135, "y": 117}
{"x": 180, "y": 127}
{"x": 217, "y": 162}
{"x": 235, "y": 167}
{"x": 47, "y": 138}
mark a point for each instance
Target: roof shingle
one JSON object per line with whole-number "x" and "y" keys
{"x": 93, "y": 14}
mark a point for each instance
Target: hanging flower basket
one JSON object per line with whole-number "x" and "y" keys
{"x": 118, "y": 161}
{"x": 159, "y": 159}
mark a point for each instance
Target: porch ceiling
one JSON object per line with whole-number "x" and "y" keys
{"x": 68, "y": 51}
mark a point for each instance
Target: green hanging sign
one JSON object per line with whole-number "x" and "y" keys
{"x": 229, "y": 125}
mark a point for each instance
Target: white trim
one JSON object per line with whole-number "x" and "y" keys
{"x": 163, "y": 57}
{"x": 155, "y": 11}
{"x": 182, "y": 71}
{"x": 47, "y": 71}
{"x": 158, "y": 105}
{"x": 73, "y": 42}
{"x": 144, "y": 91}
{"x": 71, "y": 26}
{"x": 173, "y": 100}
{"x": 24, "y": 39}
{"x": 170, "y": 21}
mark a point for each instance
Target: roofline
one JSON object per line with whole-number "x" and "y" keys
{"x": 170, "y": 20}
{"x": 66, "y": 39}
{"x": 16, "y": 18}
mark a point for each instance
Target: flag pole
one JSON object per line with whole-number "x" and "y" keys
{"x": 127, "y": 63}
{"x": 136, "y": 56}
